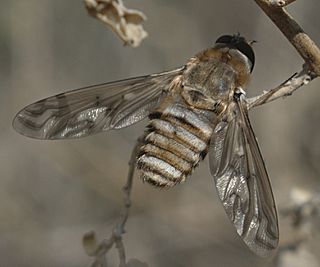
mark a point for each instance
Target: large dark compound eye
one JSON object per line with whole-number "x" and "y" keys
{"x": 239, "y": 43}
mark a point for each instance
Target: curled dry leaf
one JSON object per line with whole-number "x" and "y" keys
{"x": 126, "y": 23}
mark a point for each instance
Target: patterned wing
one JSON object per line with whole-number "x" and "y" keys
{"x": 242, "y": 181}
{"x": 93, "y": 109}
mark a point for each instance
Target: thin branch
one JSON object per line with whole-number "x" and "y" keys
{"x": 293, "y": 32}
{"x": 283, "y": 90}
{"x": 99, "y": 250}
{"x": 303, "y": 44}
{"x": 282, "y": 3}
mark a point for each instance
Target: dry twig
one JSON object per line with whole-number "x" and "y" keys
{"x": 285, "y": 89}
{"x": 302, "y": 43}
{"x": 294, "y": 33}
{"x": 99, "y": 250}
{"x": 281, "y": 3}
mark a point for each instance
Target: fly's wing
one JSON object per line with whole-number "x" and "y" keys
{"x": 242, "y": 181}
{"x": 93, "y": 109}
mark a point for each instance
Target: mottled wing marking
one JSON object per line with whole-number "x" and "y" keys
{"x": 93, "y": 109}
{"x": 242, "y": 181}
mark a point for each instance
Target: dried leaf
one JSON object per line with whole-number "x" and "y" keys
{"x": 126, "y": 23}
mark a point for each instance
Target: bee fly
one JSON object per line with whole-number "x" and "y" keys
{"x": 196, "y": 109}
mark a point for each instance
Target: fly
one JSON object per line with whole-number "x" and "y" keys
{"x": 195, "y": 110}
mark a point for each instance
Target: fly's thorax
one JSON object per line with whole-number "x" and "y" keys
{"x": 218, "y": 70}
{"x": 212, "y": 78}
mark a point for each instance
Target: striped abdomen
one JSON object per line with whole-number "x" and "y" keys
{"x": 176, "y": 141}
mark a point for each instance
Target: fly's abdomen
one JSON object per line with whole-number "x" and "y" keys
{"x": 177, "y": 139}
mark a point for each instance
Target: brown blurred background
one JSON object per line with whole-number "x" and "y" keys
{"x": 51, "y": 192}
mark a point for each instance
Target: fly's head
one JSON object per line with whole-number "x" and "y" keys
{"x": 233, "y": 55}
{"x": 236, "y": 51}
{"x": 238, "y": 47}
